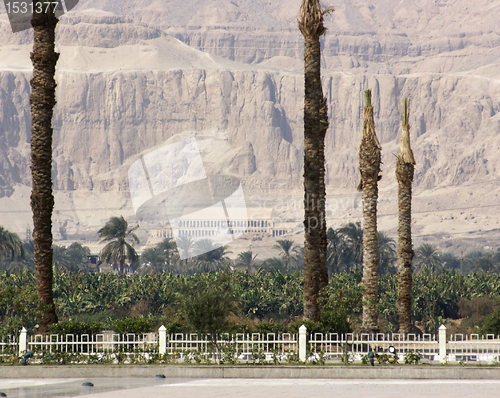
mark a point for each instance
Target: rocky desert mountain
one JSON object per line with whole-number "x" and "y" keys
{"x": 135, "y": 75}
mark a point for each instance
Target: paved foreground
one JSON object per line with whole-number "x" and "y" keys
{"x": 247, "y": 388}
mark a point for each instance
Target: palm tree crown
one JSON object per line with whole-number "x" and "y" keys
{"x": 11, "y": 246}
{"x": 117, "y": 234}
{"x": 288, "y": 253}
{"x": 246, "y": 259}
{"x": 427, "y": 256}
{"x": 210, "y": 256}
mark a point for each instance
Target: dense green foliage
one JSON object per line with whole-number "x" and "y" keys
{"x": 184, "y": 297}
{"x": 265, "y": 297}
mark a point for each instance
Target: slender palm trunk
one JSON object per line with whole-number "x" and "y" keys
{"x": 315, "y": 126}
{"x": 369, "y": 167}
{"x": 42, "y": 100}
{"x": 404, "y": 173}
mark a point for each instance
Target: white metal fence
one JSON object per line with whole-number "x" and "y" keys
{"x": 257, "y": 347}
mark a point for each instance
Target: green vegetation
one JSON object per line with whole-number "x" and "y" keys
{"x": 118, "y": 249}
{"x": 257, "y": 295}
{"x": 241, "y": 301}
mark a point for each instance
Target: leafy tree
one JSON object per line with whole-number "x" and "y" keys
{"x": 315, "y": 126}
{"x": 209, "y": 306}
{"x": 43, "y": 100}
{"x": 491, "y": 324}
{"x": 118, "y": 249}
{"x": 369, "y": 168}
{"x": 427, "y": 256}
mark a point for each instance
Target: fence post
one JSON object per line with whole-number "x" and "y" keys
{"x": 23, "y": 341}
{"x": 162, "y": 332}
{"x": 442, "y": 343}
{"x": 302, "y": 343}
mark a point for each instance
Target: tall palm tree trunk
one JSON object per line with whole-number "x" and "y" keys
{"x": 42, "y": 101}
{"x": 404, "y": 173}
{"x": 369, "y": 167}
{"x": 315, "y": 126}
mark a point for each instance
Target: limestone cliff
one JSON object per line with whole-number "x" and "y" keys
{"x": 134, "y": 75}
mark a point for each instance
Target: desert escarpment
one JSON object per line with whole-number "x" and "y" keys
{"x": 131, "y": 79}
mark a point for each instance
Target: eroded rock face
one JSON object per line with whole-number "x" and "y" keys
{"x": 126, "y": 86}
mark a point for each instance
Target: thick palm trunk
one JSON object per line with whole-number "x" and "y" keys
{"x": 315, "y": 126}
{"x": 404, "y": 174}
{"x": 42, "y": 100}
{"x": 369, "y": 167}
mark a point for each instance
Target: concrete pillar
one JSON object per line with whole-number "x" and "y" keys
{"x": 23, "y": 341}
{"x": 302, "y": 343}
{"x": 162, "y": 339}
{"x": 442, "y": 343}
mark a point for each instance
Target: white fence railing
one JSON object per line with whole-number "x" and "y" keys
{"x": 333, "y": 345}
{"x": 8, "y": 346}
{"x": 261, "y": 347}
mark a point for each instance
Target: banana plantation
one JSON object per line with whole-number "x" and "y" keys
{"x": 264, "y": 301}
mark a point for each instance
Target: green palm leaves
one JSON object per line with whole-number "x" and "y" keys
{"x": 427, "y": 256}
{"x": 212, "y": 257}
{"x": 11, "y": 247}
{"x": 118, "y": 249}
{"x": 290, "y": 254}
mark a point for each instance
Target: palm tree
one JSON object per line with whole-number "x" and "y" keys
{"x": 315, "y": 127}
{"x": 169, "y": 248}
{"x": 386, "y": 253}
{"x": 369, "y": 167}
{"x": 159, "y": 259}
{"x": 273, "y": 264}
{"x": 11, "y": 246}
{"x": 184, "y": 247}
{"x": 288, "y": 249}
{"x": 70, "y": 259}
{"x": 405, "y": 169}
{"x": 116, "y": 233}
{"x": 352, "y": 234}
{"x": 212, "y": 257}
{"x": 26, "y": 262}
{"x": 152, "y": 261}
{"x": 427, "y": 256}
{"x": 42, "y": 100}
{"x": 246, "y": 259}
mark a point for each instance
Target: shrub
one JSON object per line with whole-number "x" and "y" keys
{"x": 268, "y": 327}
{"x": 136, "y": 325}
{"x": 77, "y": 328}
{"x": 412, "y": 357}
{"x": 209, "y": 307}
{"x": 491, "y": 323}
